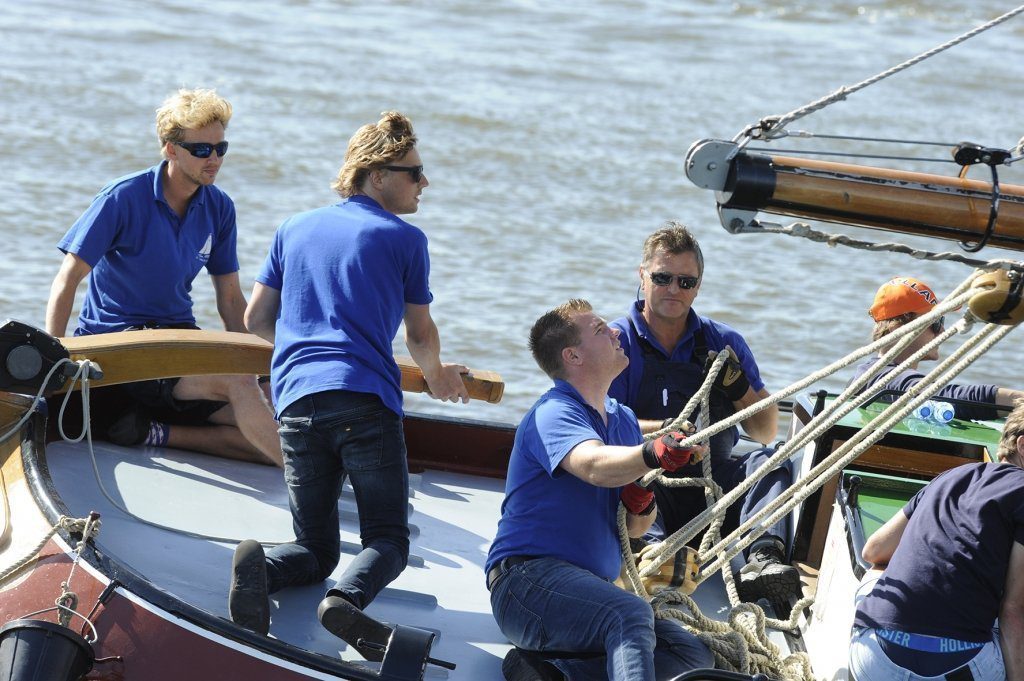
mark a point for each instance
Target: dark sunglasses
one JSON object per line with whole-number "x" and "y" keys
{"x": 938, "y": 326}
{"x": 204, "y": 149}
{"x": 415, "y": 172}
{"x": 665, "y": 278}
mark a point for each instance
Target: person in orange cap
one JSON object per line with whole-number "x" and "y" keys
{"x": 900, "y": 301}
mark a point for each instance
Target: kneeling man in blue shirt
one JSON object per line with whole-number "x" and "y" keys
{"x": 550, "y": 570}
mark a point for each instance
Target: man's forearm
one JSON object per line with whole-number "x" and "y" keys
{"x": 58, "y": 308}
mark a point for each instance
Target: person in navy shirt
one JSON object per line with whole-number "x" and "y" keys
{"x": 952, "y": 563}
{"x": 142, "y": 242}
{"x": 669, "y": 346}
{"x": 337, "y": 283}
{"x": 900, "y": 301}
{"x": 550, "y": 569}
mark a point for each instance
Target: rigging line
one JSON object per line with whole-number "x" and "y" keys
{"x": 767, "y": 126}
{"x": 807, "y": 152}
{"x": 802, "y": 229}
{"x": 858, "y": 138}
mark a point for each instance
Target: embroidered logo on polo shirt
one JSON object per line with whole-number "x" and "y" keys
{"x": 204, "y": 253}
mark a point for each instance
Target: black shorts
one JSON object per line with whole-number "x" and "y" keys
{"x": 157, "y": 398}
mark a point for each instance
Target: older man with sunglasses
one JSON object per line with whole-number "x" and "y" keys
{"x": 142, "y": 242}
{"x": 334, "y": 289}
{"x": 670, "y": 347}
{"x": 900, "y": 301}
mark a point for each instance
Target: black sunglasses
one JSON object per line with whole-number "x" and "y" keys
{"x": 938, "y": 326}
{"x": 415, "y": 172}
{"x": 665, "y": 278}
{"x": 204, "y": 149}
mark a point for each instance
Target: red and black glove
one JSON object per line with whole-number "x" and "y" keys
{"x": 666, "y": 453}
{"x": 637, "y": 500}
{"x": 730, "y": 380}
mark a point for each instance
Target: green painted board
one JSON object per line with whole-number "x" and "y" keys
{"x": 983, "y": 433}
{"x": 881, "y": 497}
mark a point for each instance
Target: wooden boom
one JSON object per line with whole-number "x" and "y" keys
{"x": 915, "y": 203}
{"x": 164, "y": 353}
{"x": 910, "y": 202}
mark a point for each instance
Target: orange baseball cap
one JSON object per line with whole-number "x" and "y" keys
{"x": 901, "y": 295}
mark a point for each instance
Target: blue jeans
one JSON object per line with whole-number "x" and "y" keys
{"x": 548, "y": 604}
{"x": 325, "y": 437}
{"x": 868, "y": 661}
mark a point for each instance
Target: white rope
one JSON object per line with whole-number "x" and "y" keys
{"x": 876, "y": 429}
{"x": 64, "y": 522}
{"x": 767, "y": 126}
{"x": 907, "y": 333}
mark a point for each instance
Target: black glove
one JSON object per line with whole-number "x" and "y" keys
{"x": 730, "y": 380}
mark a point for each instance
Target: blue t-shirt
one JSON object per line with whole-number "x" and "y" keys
{"x": 946, "y": 577}
{"x": 905, "y": 380}
{"x": 345, "y": 273}
{"x": 626, "y": 385}
{"x": 549, "y": 512}
{"x": 144, "y": 257}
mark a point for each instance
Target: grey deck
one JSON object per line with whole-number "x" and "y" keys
{"x": 454, "y": 518}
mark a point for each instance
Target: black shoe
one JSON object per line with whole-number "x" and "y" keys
{"x": 350, "y": 624}
{"x": 767, "y": 575}
{"x": 248, "y": 602}
{"x": 524, "y": 665}
{"x": 130, "y": 429}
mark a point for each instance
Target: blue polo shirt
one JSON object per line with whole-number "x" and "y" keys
{"x": 547, "y": 511}
{"x": 144, "y": 257}
{"x": 626, "y": 385}
{"x": 345, "y": 273}
{"x": 948, "y": 574}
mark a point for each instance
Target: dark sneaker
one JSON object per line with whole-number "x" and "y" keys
{"x": 248, "y": 602}
{"x": 350, "y": 624}
{"x": 130, "y": 429}
{"x": 767, "y": 575}
{"x": 524, "y": 665}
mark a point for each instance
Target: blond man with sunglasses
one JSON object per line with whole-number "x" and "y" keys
{"x": 900, "y": 301}
{"x": 142, "y": 242}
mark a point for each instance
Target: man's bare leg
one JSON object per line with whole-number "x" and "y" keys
{"x": 219, "y": 440}
{"x": 248, "y": 411}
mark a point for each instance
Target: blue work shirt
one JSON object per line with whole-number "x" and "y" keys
{"x": 549, "y": 512}
{"x": 144, "y": 257}
{"x": 626, "y": 385}
{"x": 345, "y": 273}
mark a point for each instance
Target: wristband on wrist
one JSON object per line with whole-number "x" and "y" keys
{"x": 650, "y": 508}
{"x": 650, "y": 458}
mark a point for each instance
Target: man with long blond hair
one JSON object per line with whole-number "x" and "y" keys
{"x": 335, "y": 287}
{"x": 142, "y": 242}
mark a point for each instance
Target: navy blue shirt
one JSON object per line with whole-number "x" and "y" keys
{"x": 905, "y": 380}
{"x": 549, "y": 512}
{"x": 946, "y": 577}
{"x": 144, "y": 257}
{"x": 345, "y": 273}
{"x": 626, "y": 385}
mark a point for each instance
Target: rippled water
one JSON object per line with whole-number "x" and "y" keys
{"x": 553, "y": 133}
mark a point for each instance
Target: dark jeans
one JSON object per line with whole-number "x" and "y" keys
{"x": 326, "y": 437}
{"x": 548, "y": 604}
{"x": 679, "y": 505}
